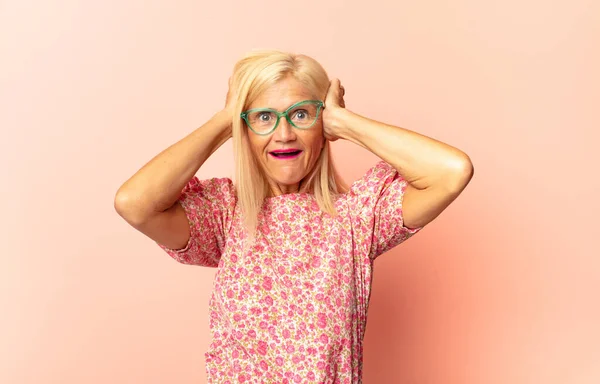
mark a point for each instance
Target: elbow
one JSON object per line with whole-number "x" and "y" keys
{"x": 122, "y": 204}
{"x": 462, "y": 171}
{"x": 127, "y": 207}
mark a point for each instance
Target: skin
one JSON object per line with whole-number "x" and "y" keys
{"x": 436, "y": 172}
{"x": 284, "y": 176}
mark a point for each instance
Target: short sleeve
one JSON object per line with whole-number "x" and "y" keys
{"x": 209, "y": 206}
{"x": 375, "y": 206}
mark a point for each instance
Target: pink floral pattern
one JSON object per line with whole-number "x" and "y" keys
{"x": 293, "y": 309}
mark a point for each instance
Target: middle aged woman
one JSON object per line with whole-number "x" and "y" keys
{"x": 294, "y": 246}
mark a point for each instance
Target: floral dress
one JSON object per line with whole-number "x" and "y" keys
{"x": 293, "y": 308}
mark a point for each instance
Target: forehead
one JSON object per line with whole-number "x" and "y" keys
{"x": 282, "y": 94}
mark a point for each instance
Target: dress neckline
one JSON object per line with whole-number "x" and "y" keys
{"x": 288, "y": 196}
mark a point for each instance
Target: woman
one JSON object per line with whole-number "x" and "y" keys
{"x": 293, "y": 246}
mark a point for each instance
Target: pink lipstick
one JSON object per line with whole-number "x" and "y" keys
{"x": 285, "y": 154}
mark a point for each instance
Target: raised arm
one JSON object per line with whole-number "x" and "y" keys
{"x": 148, "y": 199}
{"x": 436, "y": 172}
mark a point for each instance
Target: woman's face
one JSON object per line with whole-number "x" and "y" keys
{"x": 284, "y": 174}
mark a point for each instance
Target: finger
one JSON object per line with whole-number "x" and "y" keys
{"x": 328, "y": 89}
{"x": 335, "y": 83}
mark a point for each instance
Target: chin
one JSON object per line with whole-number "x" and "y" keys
{"x": 287, "y": 179}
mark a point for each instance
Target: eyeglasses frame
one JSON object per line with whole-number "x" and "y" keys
{"x": 320, "y": 104}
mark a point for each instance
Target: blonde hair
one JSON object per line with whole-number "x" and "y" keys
{"x": 252, "y": 75}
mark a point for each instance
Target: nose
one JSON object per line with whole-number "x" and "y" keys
{"x": 284, "y": 131}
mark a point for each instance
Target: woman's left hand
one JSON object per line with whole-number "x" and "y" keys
{"x": 334, "y": 102}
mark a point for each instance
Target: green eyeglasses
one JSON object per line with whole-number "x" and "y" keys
{"x": 301, "y": 115}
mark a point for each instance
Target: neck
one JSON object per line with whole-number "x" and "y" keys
{"x": 276, "y": 189}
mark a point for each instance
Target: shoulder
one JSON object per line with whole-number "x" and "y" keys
{"x": 217, "y": 189}
{"x": 375, "y": 179}
{"x": 212, "y": 185}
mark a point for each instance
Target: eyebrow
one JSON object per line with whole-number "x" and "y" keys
{"x": 275, "y": 109}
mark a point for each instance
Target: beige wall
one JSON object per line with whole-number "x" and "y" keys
{"x": 502, "y": 288}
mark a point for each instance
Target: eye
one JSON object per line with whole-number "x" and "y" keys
{"x": 264, "y": 117}
{"x": 300, "y": 114}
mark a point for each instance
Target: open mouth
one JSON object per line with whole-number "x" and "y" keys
{"x": 285, "y": 155}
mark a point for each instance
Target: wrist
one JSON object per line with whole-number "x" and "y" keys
{"x": 343, "y": 123}
{"x": 224, "y": 119}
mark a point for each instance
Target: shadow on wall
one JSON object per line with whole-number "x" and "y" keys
{"x": 425, "y": 295}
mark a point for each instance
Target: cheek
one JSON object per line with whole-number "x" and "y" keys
{"x": 316, "y": 142}
{"x": 319, "y": 137}
{"x": 315, "y": 139}
{"x": 257, "y": 144}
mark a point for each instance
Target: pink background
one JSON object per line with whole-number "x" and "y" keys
{"x": 503, "y": 287}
